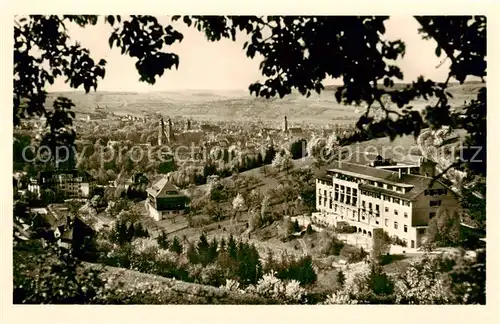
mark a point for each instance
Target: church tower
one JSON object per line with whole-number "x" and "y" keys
{"x": 170, "y": 131}
{"x": 161, "y": 132}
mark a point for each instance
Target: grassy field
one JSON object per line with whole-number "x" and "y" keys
{"x": 236, "y": 105}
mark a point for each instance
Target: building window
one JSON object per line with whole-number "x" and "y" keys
{"x": 406, "y": 228}
{"x": 363, "y": 203}
{"x": 348, "y": 190}
{"x": 341, "y": 198}
{"x": 354, "y": 192}
{"x": 336, "y": 196}
{"x": 396, "y": 200}
{"x": 324, "y": 193}
{"x": 319, "y": 201}
{"x": 336, "y": 207}
{"x": 387, "y": 198}
{"x": 354, "y": 214}
{"x": 370, "y": 205}
{"x": 354, "y": 201}
{"x": 395, "y": 212}
{"x": 377, "y": 207}
{"x": 389, "y": 187}
{"x": 386, "y": 222}
{"x": 434, "y": 203}
{"x": 336, "y": 187}
{"x": 386, "y": 209}
{"x": 406, "y": 215}
{"x": 431, "y": 215}
{"x": 330, "y": 203}
{"x": 342, "y": 188}
{"x": 348, "y": 200}
{"x": 395, "y": 225}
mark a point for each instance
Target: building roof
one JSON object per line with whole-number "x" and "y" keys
{"x": 163, "y": 188}
{"x": 417, "y": 183}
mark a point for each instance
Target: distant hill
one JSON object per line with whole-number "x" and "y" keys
{"x": 239, "y": 105}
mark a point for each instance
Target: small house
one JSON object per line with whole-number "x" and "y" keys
{"x": 164, "y": 199}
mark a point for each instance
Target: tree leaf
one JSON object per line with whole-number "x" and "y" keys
{"x": 438, "y": 51}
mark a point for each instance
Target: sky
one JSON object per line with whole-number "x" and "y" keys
{"x": 223, "y": 65}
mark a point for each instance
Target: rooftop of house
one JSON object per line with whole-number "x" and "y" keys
{"x": 164, "y": 189}
{"x": 415, "y": 183}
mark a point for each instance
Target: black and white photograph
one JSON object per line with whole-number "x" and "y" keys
{"x": 249, "y": 159}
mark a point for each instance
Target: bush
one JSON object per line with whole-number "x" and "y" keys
{"x": 334, "y": 246}
{"x": 212, "y": 275}
{"x": 346, "y": 229}
{"x": 352, "y": 254}
{"x": 444, "y": 230}
{"x": 290, "y": 268}
{"x": 381, "y": 244}
{"x": 61, "y": 279}
{"x": 397, "y": 241}
{"x": 270, "y": 286}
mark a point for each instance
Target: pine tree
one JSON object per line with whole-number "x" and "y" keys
{"x": 176, "y": 246}
{"x": 130, "y": 233}
{"x": 296, "y": 226}
{"x": 255, "y": 265}
{"x": 270, "y": 262}
{"x": 139, "y": 230}
{"x": 340, "y": 279}
{"x": 243, "y": 258}
{"x": 213, "y": 250}
{"x": 232, "y": 248}
{"x": 222, "y": 245}
{"x": 192, "y": 254}
{"x": 122, "y": 232}
{"x": 260, "y": 160}
{"x": 163, "y": 240}
{"x": 203, "y": 249}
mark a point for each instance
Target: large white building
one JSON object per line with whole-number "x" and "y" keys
{"x": 367, "y": 198}
{"x": 66, "y": 183}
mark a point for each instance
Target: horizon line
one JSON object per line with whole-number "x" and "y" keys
{"x": 222, "y": 90}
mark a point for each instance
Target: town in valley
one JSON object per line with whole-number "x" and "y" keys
{"x": 221, "y": 197}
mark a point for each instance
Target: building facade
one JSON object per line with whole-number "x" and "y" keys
{"x": 65, "y": 183}
{"x": 165, "y": 200}
{"x": 367, "y": 198}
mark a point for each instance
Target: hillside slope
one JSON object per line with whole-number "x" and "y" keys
{"x": 239, "y": 105}
{"x": 143, "y": 288}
